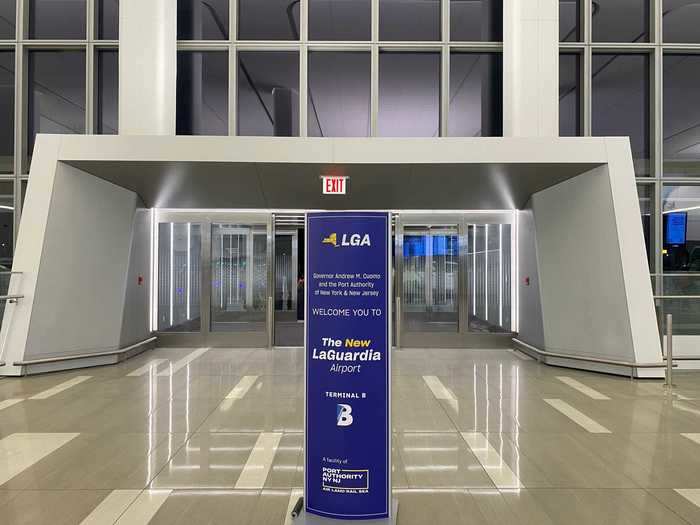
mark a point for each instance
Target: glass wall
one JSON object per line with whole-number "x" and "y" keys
{"x": 409, "y": 94}
{"x": 7, "y": 111}
{"x": 638, "y": 74}
{"x": 268, "y": 93}
{"x": 339, "y": 94}
{"x": 476, "y": 95}
{"x": 489, "y": 277}
{"x": 620, "y": 102}
{"x": 202, "y": 93}
{"x": 681, "y": 138}
{"x": 7, "y": 19}
{"x": 179, "y": 255}
{"x": 476, "y": 20}
{"x": 57, "y": 19}
{"x": 570, "y": 94}
{"x": 56, "y": 96}
{"x": 107, "y": 86}
{"x": 407, "y": 20}
{"x": 198, "y": 20}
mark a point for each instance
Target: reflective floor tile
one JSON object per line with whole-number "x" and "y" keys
{"x": 207, "y": 461}
{"x": 678, "y": 503}
{"x": 596, "y": 506}
{"x": 286, "y": 463}
{"x": 42, "y": 507}
{"x": 101, "y": 461}
{"x": 252, "y": 415}
{"x": 564, "y": 461}
{"x": 425, "y": 415}
{"x": 186, "y": 507}
{"x": 19, "y": 452}
{"x": 439, "y": 460}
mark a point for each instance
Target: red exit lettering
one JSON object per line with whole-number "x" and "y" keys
{"x": 334, "y": 185}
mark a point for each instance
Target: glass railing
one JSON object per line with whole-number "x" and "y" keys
{"x": 678, "y": 294}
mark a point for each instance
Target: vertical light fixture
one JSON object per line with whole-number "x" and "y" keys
{"x": 515, "y": 275}
{"x": 172, "y": 269}
{"x": 473, "y": 227}
{"x": 486, "y": 272}
{"x": 153, "y": 274}
{"x": 189, "y": 237}
{"x": 500, "y": 275}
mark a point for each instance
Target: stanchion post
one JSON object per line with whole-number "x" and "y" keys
{"x": 669, "y": 350}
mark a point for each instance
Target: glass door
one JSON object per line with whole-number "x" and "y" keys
{"x": 431, "y": 278}
{"x": 213, "y": 275}
{"x": 453, "y": 279}
{"x": 289, "y": 286}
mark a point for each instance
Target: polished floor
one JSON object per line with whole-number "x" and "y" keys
{"x": 190, "y": 436}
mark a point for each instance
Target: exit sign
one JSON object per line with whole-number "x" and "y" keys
{"x": 334, "y": 185}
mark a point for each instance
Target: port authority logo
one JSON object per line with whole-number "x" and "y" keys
{"x": 343, "y": 415}
{"x": 354, "y": 239}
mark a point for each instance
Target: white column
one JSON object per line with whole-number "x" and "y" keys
{"x": 147, "y": 66}
{"x": 530, "y": 68}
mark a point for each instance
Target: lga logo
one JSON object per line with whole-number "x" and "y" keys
{"x": 343, "y": 415}
{"x": 354, "y": 239}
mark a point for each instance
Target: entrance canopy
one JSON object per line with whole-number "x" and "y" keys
{"x": 86, "y": 253}
{"x": 262, "y": 173}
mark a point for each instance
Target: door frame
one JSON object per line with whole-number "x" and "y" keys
{"x": 292, "y": 231}
{"x": 205, "y": 336}
{"x": 462, "y": 338}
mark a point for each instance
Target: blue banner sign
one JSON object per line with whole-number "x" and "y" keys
{"x": 348, "y": 374}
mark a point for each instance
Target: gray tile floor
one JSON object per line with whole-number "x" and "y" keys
{"x": 480, "y": 437}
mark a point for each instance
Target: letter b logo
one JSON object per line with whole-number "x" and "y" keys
{"x": 343, "y": 415}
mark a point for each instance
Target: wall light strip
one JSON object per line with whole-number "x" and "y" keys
{"x": 189, "y": 255}
{"x": 172, "y": 269}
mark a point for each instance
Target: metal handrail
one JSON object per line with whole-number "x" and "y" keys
{"x": 84, "y": 356}
{"x": 9, "y": 272}
{"x": 11, "y": 298}
{"x": 677, "y": 297}
{"x": 588, "y": 359}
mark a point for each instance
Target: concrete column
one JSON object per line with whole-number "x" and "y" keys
{"x": 531, "y": 68}
{"x": 147, "y": 66}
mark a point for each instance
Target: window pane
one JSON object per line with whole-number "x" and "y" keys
{"x": 621, "y": 102}
{"x": 339, "y": 94}
{"x": 616, "y": 21}
{"x": 56, "y": 93}
{"x": 268, "y": 19}
{"x": 7, "y": 19}
{"x": 7, "y": 208}
{"x": 107, "y": 90}
{"x": 239, "y": 278}
{"x": 681, "y": 21}
{"x": 340, "y": 19}
{"x": 57, "y": 19}
{"x": 268, "y": 93}
{"x": 681, "y": 228}
{"x": 569, "y": 95}
{"x": 107, "y": 19}
{"x": 409, "y": 20}
{"x": 681, "y": 115}
{"x": 7, "y": 111}
{"x": 476, "y": 20}
{"x": 409, "y": 94}
{"x": 570, "y": 20}
{"x": 202, "y": 93}
{"x": 179, "y": 249}
{"x": 202, "y": 20}
{"x": 476, "y": 95}
{"x": 647, "y": 207}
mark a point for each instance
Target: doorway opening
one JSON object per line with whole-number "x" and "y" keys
{"x": 230, "y": 278}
